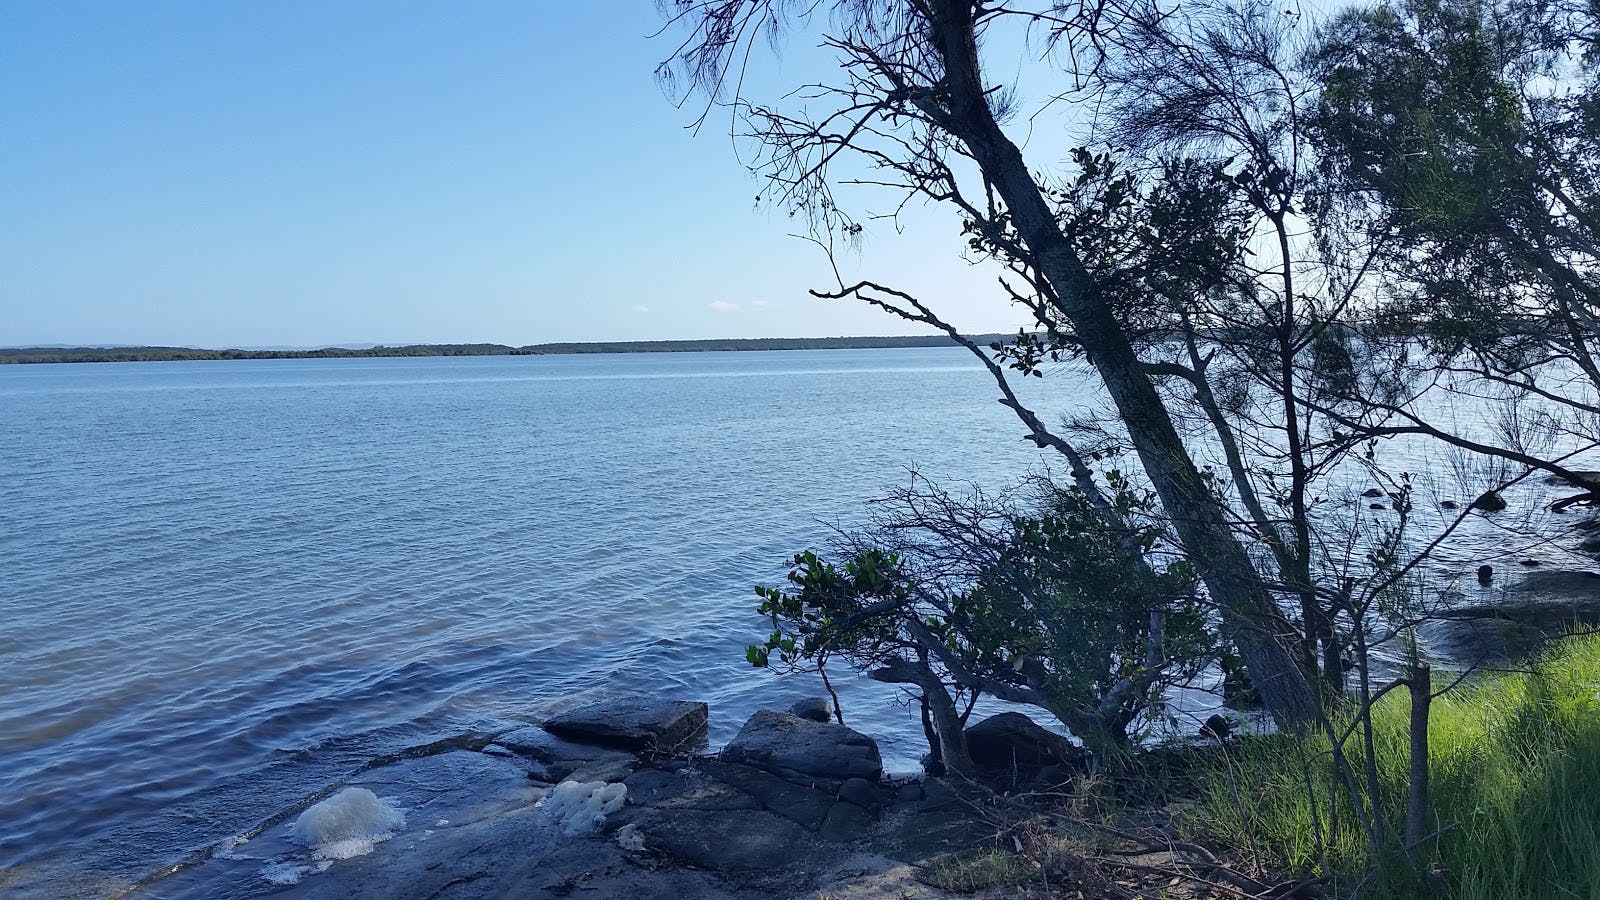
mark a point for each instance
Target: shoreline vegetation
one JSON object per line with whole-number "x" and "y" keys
{"x": 1209, "y": 817}
{"x": 25, "y": 355}
{"x": 1513, "y": 812}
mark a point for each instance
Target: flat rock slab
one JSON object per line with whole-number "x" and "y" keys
{"x": 684, "y": 788}
{"x": 451, "y": 801}
{"x": 550, "y": 759}
{"x": 748, "y": 842}
{"x": 1534, "y": 609}
{"x": 632, "y": 723}
{"x": 797, "y": 749}
{"x": 759, "y": 831}
{"x": 805, "y": 805}
{"x": 941, "y": 818}
{"x": 472, "y": 832}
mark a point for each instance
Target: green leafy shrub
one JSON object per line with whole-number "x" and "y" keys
{"x": 1080, "y": 608}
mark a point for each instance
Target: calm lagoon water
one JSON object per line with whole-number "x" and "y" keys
{"x": 226, "y": 583}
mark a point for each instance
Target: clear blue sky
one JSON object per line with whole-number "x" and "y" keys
{"x": 228, "y": 173}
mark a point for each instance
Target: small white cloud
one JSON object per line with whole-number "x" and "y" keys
{"x": 724, "y": 306}
{"x": 640, "y": 308}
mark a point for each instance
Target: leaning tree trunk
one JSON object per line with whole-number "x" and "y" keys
{"x": 948, "y": 728}
{"x": 1251, "y": 617}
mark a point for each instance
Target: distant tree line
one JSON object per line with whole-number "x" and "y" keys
{"x": 169, "y": 354}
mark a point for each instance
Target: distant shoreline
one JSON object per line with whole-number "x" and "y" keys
{"x": 23, "y": 355}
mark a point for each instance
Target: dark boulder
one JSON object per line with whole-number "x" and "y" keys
{"x": 1218, "y": 727}
{"x": 846, "y": 822}
{"x": 632, "y": 723}
{"x": 800, "y": 749}
{"x": 1011, "y": 740}
{"x": 1489, "y": 501}
{"x": 817, "y": 709}
{"x": 1372, "y": 492}
{"x": 863, "y": 793}
{"x": 806, "y": 804}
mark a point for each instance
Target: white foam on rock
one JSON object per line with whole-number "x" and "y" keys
{"x": 350, "y": 823}
{"x": 227, "y": 847}
{"x": 630, "y": 838}
{"x": 581, "y": 807}
{"x": 283, "y": 872}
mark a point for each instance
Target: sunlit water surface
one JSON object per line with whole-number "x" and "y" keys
{"x": 226, "y": 583}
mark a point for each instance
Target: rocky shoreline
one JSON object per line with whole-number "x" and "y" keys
{"x": 794, "y": 806}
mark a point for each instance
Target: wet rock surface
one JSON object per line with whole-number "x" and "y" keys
{"x": 1489, "y": 501}
{"x": 550, "y": 759}
{"x": 1537, "y": 607}
{"x": 783, "y": 783}
{"x": 632, "y": 723}
{"x": 799, "y": 809}
{"x": 817, "y": 709}
{"x": 798, "y": 749}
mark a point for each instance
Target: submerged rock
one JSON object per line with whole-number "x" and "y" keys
{"x": 748, "y": 833}
{"x": 550, "y": 759}
{"x": 1536, "y": 608}
{"x": 1583, "y": 478}
{"x": 632, "y": 723}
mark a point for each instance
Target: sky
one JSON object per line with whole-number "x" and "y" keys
{"x": 222, "y": 173}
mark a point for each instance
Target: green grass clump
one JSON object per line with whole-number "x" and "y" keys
{"x": 1515, "y": 803}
